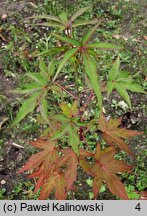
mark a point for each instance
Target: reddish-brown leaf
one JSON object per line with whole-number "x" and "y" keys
{"x": 55, "y": 182}
{"x": 44, "y": 156}
{"x": 70, "y": 160}
{"x": 104, "y": 169}
{"x": 112, "y": 134}
{"x": 53, "y": 173}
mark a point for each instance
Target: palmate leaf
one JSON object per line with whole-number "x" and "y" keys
{"x": 39, "y": 158}
{"x": 83, "y": 48}
{"x": 91, "y": 70}
{"x": 104, "y": 169}
{"x": 122, "y": 81}
{"x": 114, "y": 135}
{"x": 53, "y": 172}
{"x": 67, "y": 125}
{"x": 27, "y": 107}
{"x": 61, "y": 182}
{"x": 62, "y": 21}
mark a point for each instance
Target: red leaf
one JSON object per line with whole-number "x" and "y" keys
{"x": 104, "y": 169}
{"x": 112, "y": 134}
{"x": 70, "y": 159}
{"x": 53, "y": 173}
{"x": 37, "y": 159}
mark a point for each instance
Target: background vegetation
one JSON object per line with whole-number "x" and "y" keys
{"x": 122, "y": 22}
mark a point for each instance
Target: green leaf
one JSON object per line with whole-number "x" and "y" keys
{"x": 27, "y": 107}
{"x": 79, "y": 13}
{"x": 66, "y": 109}
{"x": 49, "y": 24}
{"x": 110, "y": 87}
{"x": 84, "y": 22}
{"x": 121, "y": 81}
{"x": 114, "y": 71}
{"x": 68, "y": 40}
{"x": 37, "y": 77}
{"x": 27, "y": 88}
{"x": 63, "y": 17}
{"x": 134, "y": 87}
{"x": 60, "y": 118}
{"x": 89, "y": 34}
{"x": 123, "y": 93}
{"x": 43, "y": 69}
{"x": 44, "y": 110}
{"x": 69, "y": 54}
{"x": 73, "y": 139}
{"x": 53, "y": 51}
{"x": 105, "y": 46}
{"x": 59, "y": 133}
{"x": 50, "y": 17}
{"x": 91, "y": 70}
{"x": 51, "y": 68}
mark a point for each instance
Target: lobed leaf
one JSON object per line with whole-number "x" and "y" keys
{"x": 114, "y": 135}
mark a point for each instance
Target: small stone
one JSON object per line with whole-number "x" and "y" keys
{"x": 4, "y": 16}
{"x": 3, "y": 182}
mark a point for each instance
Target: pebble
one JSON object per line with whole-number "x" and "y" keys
{"x": 3, "y": 182}
{"x": 4, "y": 16}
